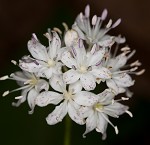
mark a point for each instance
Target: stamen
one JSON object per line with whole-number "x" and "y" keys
{"x": 109, "y": 23}
{"x": 4, "y": 78}
{"x": 131, "y": 54}
{"x": 133, "y": 69}
{"x": 115, "y": 127}
{"x": 94, "y": 20}
{"x": 14, "y": 62}
{"x": 57, "y": 30}
{"x": 140, "y": 72}
{"x": 136, "y": 63}
{"x": 104, "y": 14}
{"x": 27, "y": 82}
{"x": 5, "y": 93}
{"x": 18, "y": 97}
{"x": 87, "y": 11}
{"x": 65, "y": 26}
{"x": 124, "y": 98}
{"x": 125, "y": 49}
{"x": 81, "y": 16}
{"x": 21, "y": 88}
{"x": 129, "y": 113}
{"x": 116, "y": 130}
{"x": 48, "y": 36}
{"x": 116, "y": 23}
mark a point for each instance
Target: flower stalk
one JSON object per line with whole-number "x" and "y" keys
{"x": 67, "y": 135}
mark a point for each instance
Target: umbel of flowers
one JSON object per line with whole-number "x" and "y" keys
{"x": 82, "y": 59}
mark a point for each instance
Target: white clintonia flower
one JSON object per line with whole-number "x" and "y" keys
{"x": 46, "y": 60}
{"x": 97, "y": 114}
{"x": 30, "y": 86}
{"x": 67, "y": 96}
{"x": 84, "y": 65}
{"x": 95, "y": 34}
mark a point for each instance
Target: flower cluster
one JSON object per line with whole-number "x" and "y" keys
{"x": 84, "y": 60}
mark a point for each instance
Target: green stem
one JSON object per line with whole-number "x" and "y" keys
{"x": 67, "y": 136}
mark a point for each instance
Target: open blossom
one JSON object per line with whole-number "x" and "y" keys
{"x": 83, "y": 65}
{"x": 93, "y": 32}
{"x": 66, "y": 97}
{"x": 30, "y": 87}
{"x": 121, "y": 78}
{"x": 46, "y": 60}
{"x": 97, "y": 114}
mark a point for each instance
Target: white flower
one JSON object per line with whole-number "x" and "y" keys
{"x": 97, "y": 114}
{"x": 95, "y": 34}
{"x": 30, "y": 86}
{"x": 84, "y": 65}
{"x": 67, "y": 105}
{"x": 121, "y": 79}
{"x": 46, "y": 60}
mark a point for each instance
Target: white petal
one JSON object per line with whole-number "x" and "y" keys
{"x": 68, "y": 60}
{"x": 42, "y": 85}
{"x": 115, "y": 109}
{"x": 57, "y": 83}
{"x": 58, "y": 68}
{"x": 58, "y": 114}
{"x": 120, "y": 61}
{"x": 88, "y": 81}
{"x": 112, "y": 85}
{"x": 80, "y": 52}
{"x": 106, "y": 41}
{"x": 71, "y": 76}
{"x": 123, "y": 80}
{"x": 37, "y": 50}
{"x": 96, "y": 57}
{"x": 47, "y": 73}
{"x": 75, "y": 87}
{"x": 91, "y": 123}
{"x": 85, "y": 98}
{"x": 31, "y": 99}
{"x": 48, "y": 97}
{"x": 85, "y": 111}
{"x": 102, "y": 73}
{"x": 106, "y": 96}
{"x": 54, "y": 46}
{"x": 30, "y": 67}
{"x": 74, "y": 113}
{"x": 101, "y": 124}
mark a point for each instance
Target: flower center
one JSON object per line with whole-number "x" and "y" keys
{"x": 98, "y": 107}
{"x": 82, "y": 69}
{"x": 33, "y": 81}
{"x": 51, "y": 63}
{"x": 67, "y": 95}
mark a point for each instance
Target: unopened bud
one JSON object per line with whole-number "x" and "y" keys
{"x": 71, "y": 37}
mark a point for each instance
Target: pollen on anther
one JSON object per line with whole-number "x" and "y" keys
{"x": 5, "y": 93}
{"x": 4, "y": 78}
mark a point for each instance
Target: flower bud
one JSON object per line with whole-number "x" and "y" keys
{"x": 71, "y": 37}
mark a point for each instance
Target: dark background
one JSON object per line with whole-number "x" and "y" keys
{"x": 20, "y": 18}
